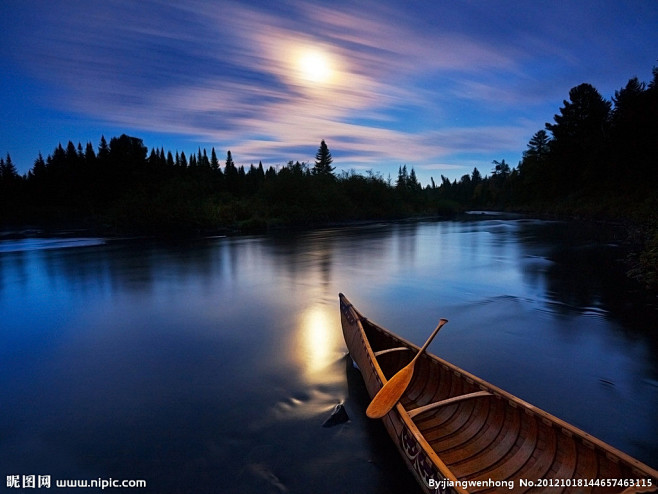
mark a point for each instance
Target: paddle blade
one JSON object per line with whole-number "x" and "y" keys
{"x": 391, "y": 393}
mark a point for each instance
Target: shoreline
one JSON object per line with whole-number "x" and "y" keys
{"x": 637, "y": 238}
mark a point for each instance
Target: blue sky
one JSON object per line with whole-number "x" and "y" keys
{"x": 443, "y": 86}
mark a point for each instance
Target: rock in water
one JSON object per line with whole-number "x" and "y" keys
{"x": 338, "y": 416}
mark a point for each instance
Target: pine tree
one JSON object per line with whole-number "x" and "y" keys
{"x": 538, "y": 146}
{"x": 231, "y": 174}
{"x": 204, "y": 161}
{"x": 323, "y": 161}
{"x": 8, "y": 172}
{"x": 39, "y": 168}
{"x": 103, "y": 149}
{"x": 229, "y": 165}
{"x": 403, "y": 178}
{"x": 579, "y": 137}
{"x": 90, "y": 155}
{"x": 414, "y": 184}
{"x": 153, "y": 157}
{"x": 214, "y": 162}
{"x": 71, "y": 153}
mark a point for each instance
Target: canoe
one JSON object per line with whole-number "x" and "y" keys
{"x": 460, "y": 434}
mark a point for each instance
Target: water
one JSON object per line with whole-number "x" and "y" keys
{"x": 210, "y": 365}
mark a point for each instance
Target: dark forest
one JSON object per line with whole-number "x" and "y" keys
{"x": 598, "y": 159}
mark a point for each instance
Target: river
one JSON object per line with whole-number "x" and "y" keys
{"x": 210, "y": 365}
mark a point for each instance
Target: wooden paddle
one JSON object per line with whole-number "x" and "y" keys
{"x": 392, "y": 391}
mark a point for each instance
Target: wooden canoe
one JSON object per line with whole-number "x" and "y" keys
{"x": 458, "y": 433}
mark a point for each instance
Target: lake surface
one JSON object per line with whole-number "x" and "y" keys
{"x": 210, "y": 365}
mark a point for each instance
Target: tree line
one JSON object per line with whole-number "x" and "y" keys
{"x": 597, "y": 158}
{"x": 120, "y": 186}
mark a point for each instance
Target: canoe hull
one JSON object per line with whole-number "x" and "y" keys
{"x": 451, "y": 427}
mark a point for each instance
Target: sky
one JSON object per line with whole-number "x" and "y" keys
{"x": 440, "y": 86}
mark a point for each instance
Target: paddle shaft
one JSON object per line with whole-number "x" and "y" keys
{"x": 429, "y": 340}
{"x": 394, "y": 388}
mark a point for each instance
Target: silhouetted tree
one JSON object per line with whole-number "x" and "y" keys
{"x": 90, "y": 155}
{"x": 255, "y": 178}
{"x": 10, "y": 190}
{"x": 214, "y": 162}
{"x": 103, "y": 149}
{"x": 153, "y": 157}
{"x": 126, "y": 151}
{"x": 8, "y": 172}
{"x": 534, "y": 172}
{"x": 413, "y": 182}
{"x": 204, "y": 162}
{"x": 501, "y": 170}
{"x": 538, "y": 146}
{"x": 323, "y": 161}
{"x": 634, "y": 133}
{"x": 39, "y": 168}
{"x": 579, "y": 136}
{"x": 231, "y": 175}
{"x": 403, "y": 178}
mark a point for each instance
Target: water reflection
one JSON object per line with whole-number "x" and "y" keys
{"x": 32, "y": 244}
{"x": 317, "y": 340}
{"x": 578, "y": 268}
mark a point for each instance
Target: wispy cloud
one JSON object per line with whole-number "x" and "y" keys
{"x": 430, "y": 87}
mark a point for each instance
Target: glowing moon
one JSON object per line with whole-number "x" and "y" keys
{"x": 315, "y": 66}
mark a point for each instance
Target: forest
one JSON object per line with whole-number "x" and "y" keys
{"x": 598, "y": 159}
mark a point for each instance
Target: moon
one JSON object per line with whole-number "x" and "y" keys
{"x": 315, "y": 67}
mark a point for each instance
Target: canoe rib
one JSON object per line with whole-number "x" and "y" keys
{"x": 447, "y": 401}
{"x": 444, "y": 433}
{"x": 389, "y": 350}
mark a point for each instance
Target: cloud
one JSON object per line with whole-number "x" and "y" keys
{"x": 429, "y": 86}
